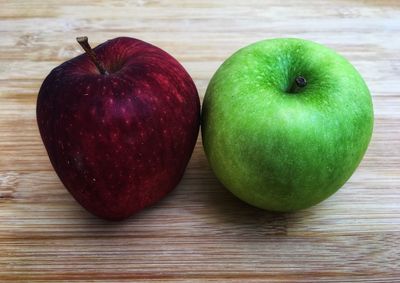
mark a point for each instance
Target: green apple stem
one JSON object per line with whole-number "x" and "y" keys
{"x": 299, "y": 83}
{"x": 83, "y": 41}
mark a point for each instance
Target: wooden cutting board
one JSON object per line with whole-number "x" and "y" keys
{"x": 200, "y": 231}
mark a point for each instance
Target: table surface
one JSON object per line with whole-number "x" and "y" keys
{"x": 200, "y": 231}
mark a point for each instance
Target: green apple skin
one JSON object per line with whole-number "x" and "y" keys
{"x": 278, "y": 146}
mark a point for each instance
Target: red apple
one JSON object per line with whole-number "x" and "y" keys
{"x": 119, "y": 124}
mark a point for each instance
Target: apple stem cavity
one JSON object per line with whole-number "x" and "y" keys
{"x": 299, "y": 83}
{"x": 83, "y": 41}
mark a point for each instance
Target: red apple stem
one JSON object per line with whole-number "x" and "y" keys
{"x": 83, "y": 41}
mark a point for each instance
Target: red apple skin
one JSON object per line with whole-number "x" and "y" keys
{"x": 119, "y": 142}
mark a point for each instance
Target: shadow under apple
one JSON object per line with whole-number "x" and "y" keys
{"x": 224, "y": 213}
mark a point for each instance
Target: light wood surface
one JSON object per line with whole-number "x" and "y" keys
{"x": 200, "y": 231}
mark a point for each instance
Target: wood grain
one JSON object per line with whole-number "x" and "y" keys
{"x": 200, "y": 232}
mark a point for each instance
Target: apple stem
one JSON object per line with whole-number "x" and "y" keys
{"x": 83, "y": 41}
{"x": 299, "y": 83}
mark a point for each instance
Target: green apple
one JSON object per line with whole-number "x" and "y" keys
{"x": 285, "y": 123}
